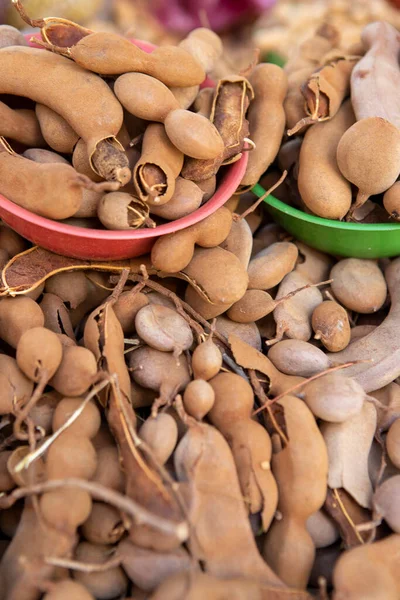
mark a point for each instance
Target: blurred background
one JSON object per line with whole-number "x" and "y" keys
{"x": 275, "y": 27}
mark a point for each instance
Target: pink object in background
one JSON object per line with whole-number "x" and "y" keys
{"x": 96, "y": 244}
{"x": 184, "y": 15}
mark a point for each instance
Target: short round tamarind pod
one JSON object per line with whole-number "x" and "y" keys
{"x": 198, "y": 398}
{"x": 17, "y": 315}
{"x": 71, "y": 287}
{"x": 386, "y": 503}
{"x": 162, "y": 328}
{"x": 296, "y": 357}
{"x": 67, "y": 589}
{"x": 88, "y": 422}
{"x": 359, "y": 284}
{"x": 393, "y": 443}
{"x": 234, "y": 399}
{"x": 108, "y": 471}
{"x": 334, "y": 397}
{"x": 15, "y": 387}
{"x": 66, "y": 509}
{"x": 39, "y": 353}
{"x": 43, "y": 411}
{"x": 330, "y": 323}
{"x": 71, "y": 456}
{"x": 103, "y": 525}
{"x": 322, "y": 529}
{"x": 161, "y": 434}
{"x": 6, "y": 481}
{"x": 206, "y": 360}
{"x": 104, "y": 585}
{"x": 34, "y": 473}
{"x": 76, "y": 372}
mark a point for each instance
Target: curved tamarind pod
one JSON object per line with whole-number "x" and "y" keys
{"x": 31, "y": 185}
{"x": 56, "y": 131}
{"x": 155, "y": 173}
{"x": 83, "y": 99}
{"x": 376, "y": 78}
{"x": 266, "y": 119}
{"x": 108, "y": 53}
{"x": 148, "y": 98}
{"x": 20, "y": 125}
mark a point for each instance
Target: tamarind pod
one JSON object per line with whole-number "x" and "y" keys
{"x": 294, "y": 101}
{"x": 232, "y": 97}
{"x": 83, "y": 99}
{"x": 108, "y": 53}
{"x": 322, "y": 186}
{"x": 314, "y": 48}
{"x": 20, "y": 125}
{"x": 301, "y": 472}
{"x": 23, "y": 567}
{"x": 56, "y": 131}
{"x": 10, "y": 36}
{"x": 376, "y": 78}
{"x": 41, "y": 155}
{"x": 325, "y": 91}
{"x": 158, "y": 167}
{"x": 369, "y": 571}
{"x": 31, "y": 185}
{"x": 381, "y": 347}
{"x": 266, "y": 118}
{"x": 81, "y": 161}
{"x": 204, "y": 462}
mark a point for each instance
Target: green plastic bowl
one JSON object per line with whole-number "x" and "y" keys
{"x": 335, "y": 237}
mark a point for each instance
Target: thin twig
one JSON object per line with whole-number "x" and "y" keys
{"x": 263, "y": 398}
{"x": 24, "y": 412}
{"x": 306, "y": 381}
{"x": 76, "y": 565}
{"x": 253, "y": 207}
{"x": 99, "y": 492}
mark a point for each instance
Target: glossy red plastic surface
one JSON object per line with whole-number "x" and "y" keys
{"x": 98, "y": 244}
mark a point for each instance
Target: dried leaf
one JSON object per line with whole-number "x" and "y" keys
{"x": 348, "y": 445}
{"x": 29, "y": 269}
{"x": 249, "y": 358}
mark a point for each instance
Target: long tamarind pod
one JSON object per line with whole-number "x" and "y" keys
{"x": 82, "y": 98}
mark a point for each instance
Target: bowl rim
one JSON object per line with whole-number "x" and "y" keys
{"x": 259, "y": 191}
{"x": 236, "y": 172}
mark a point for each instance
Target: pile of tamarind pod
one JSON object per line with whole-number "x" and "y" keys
{"x": 97, "y": 133}
{"x": 342, "y": 142}
{"x": 218, "y": 418}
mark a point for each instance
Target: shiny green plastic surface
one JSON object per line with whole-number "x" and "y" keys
{"x": 335, "y": 237}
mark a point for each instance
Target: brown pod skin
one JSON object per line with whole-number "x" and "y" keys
{"x": 67, "y": 89}
{"x": 17, "y": 315}
{"x": 154, "y": 369}
{"x": 391, "y": 201}
{"x": 330, "y": 323}
{"x": 322, "y": 187}
{"x": 254, "y": 305}
{"x": 173, "y": 252}
{"x": 198, "y": 398}
{"x": 126, "y": 308}
{"x": 15, "y": 387}
{"x": 104, "y": 525}
{"x": 87, "y": 424}
{"x": 71, "y": 287}
{"x": 11, "y": 241}
{"x": 10, "y": 36}
{"x": 111, "y": 54}
{"x": 106, "y": 585}
{"x": 71, "y": 455}
{"x": 393, "y": 443}
{"x": 159, "y": 165}
{"x": 76, "y": 372}
{"x": 385, "y": 502}
{"x": 66, "y": 589}
{"x": 108, "y": 471}
{"x": 270, "y": 266}
{"x": 239, "y": 241}
{"x": 217, "y": 275}
{"x": 206, "y": 360}
{"x": 359, "y": 285}
{"x": 163, "y": 328}
{"x": 161, "y": 434}
{"x": 369, "y": 571}
{"x": 185, "y": 200}
{"x": 58, "y": 134}
{"x": 56, "y": 315}
{"x": 81, "y": 161}
{"x": 368, "y": 155}
{"x": 39, "y": 353}
{"x": 31, "y": 185}
{"x": 149, "y": 99}
{"x": 266, "y": 118}
{"x": 41, "y": 155}
{"x": 20, "y": 125}
{"x": 296, "y": 357}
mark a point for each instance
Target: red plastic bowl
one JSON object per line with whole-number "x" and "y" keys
{"x": 95, "y": 244}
